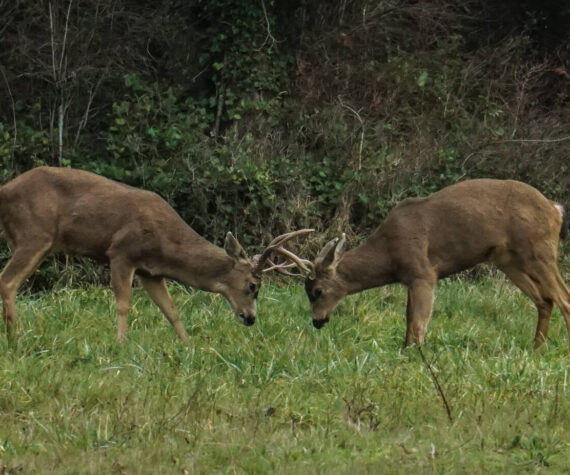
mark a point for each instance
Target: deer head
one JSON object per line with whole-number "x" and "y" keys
{"x": 241, "y": 285}
{"x": 323, "y": 285}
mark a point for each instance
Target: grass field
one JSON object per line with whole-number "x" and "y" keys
{"x": 281, "y": 396}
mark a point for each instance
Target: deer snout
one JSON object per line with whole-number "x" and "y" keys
{"x": 247, "y": 320}
{"x": 320, "y": 323}
{"x": 320, "y": 316}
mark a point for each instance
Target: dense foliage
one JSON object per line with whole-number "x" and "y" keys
{"x": 260, "y": 116}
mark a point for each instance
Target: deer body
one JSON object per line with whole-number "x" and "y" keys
{"x": 504, "y": 222}
{"x": 49, "y": 210}
{"x": 83, "y": 214}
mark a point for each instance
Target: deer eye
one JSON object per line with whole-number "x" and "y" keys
{"x": 252, "y": 287}
{"x": 317, "y": 293}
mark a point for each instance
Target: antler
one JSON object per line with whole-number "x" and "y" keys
{"x": 281, "y": 268}
{"x": 304, "y": 265}
{"x": 276, "y": 246}
{"x": 337, "y": 245}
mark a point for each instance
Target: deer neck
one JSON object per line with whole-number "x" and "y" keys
{"x": 366, "y": 267}
{"x": 198, "y": 263}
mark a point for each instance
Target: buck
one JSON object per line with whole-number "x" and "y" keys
{"x": 49, "y": 210}
{"x": 507, "y": 223}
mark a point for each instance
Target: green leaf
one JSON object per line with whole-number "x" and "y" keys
{"x": 423, "y": 79}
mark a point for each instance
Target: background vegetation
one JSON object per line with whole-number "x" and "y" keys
{"x": 280, "y": 396}
{"x": 261, "y": 116}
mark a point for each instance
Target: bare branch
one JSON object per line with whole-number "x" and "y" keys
{"x": 13, "y": 103}
{"x": 52, "y": 35}
{"x": 357, "y": 115}
{"x": 561, "y": 139}
{"x": 85, "y": 118}
{"x": 269, "y": 35}
{"x": 64, "y": 38}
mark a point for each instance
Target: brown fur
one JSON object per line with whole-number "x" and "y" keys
{"x": 49, "y": 210}
{"x": 507, "y": 223}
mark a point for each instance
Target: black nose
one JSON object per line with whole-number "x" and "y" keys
{"x": 247, "y": 321}
{"x": 318, "y": 324}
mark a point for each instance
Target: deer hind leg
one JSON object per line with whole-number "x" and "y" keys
{"x": 122, "y": 274}
{"x": 419, "y": 310}
{"x": 156, "y": 288}
{"x": 551, "y": 280}
{"x": 536, "y": 290}
{"x": 23, "y": 262}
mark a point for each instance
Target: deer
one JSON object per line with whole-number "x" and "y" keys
{"x": 503, "y": 222}
{"x": 49, "y": 209}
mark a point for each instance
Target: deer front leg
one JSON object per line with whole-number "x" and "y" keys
{"x": 156, "y": 288}
{"x": 419, "y": 309}
{"x": 121, "y": 282}
{"x": 23, "y": 262}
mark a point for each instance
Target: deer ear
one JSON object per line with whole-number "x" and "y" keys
{"x": 330, "y": 255}
{"x": 233, "y": 248}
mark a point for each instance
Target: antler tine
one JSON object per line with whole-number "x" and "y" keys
{"x": 276, "y": 244}
{"x": 304, "y": 265}
{"x": 283, "y": 238}
{"x": 281, "y": 268}
{"x": 326, "y": 249}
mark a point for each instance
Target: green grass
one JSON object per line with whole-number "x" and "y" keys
{"x": 281, "y": 396}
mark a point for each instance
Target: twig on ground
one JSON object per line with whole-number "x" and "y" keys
{"x": 437, "y": 385}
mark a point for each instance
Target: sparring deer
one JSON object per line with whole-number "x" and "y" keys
{"x": 76, "y": 212}
{"x": 503, "y": 222}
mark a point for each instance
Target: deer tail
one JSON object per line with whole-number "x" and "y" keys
{"x": 565, "y": 221}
